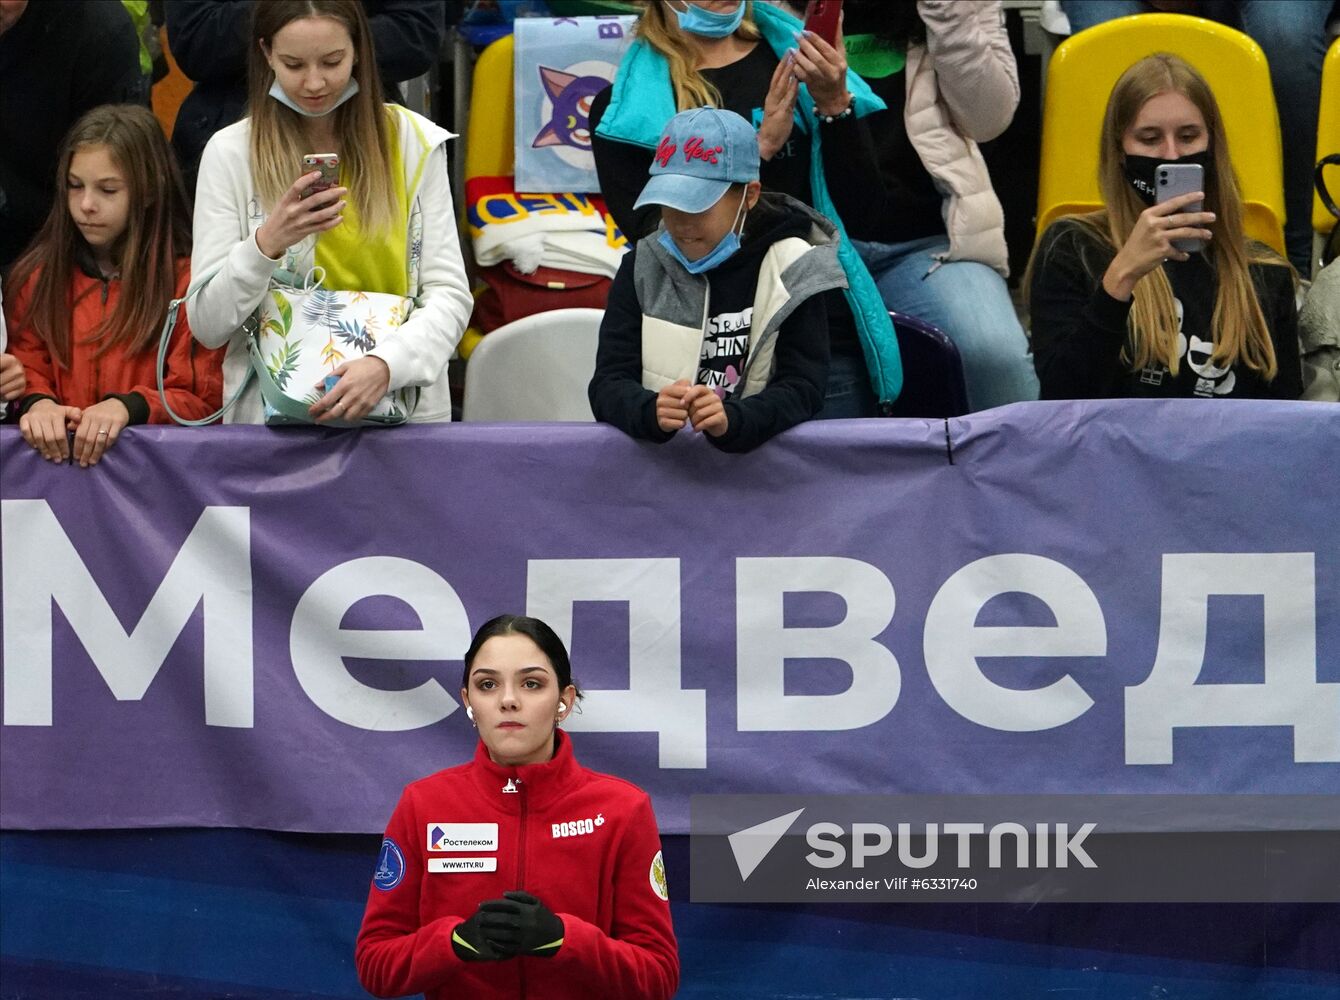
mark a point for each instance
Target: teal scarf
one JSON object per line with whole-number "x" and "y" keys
{"x": 642, "y": 101}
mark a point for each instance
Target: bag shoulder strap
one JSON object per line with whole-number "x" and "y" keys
{"x": 165, "y": 338}
{"x": 1333, "y": 160}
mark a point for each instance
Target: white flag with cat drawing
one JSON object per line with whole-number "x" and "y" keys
{"x": 560, "y": 64}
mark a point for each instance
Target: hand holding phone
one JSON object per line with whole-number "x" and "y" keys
{"x": 819, "y": 60}
{"x": 821, "y": 17}
{"x": 329, "y": 166}
{"x": 1174, "y": 179}
{"x": 1172, "y": 229}
{"x": 299, "y": 214}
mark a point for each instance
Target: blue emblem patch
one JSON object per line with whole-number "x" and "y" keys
{"x": 390, "y": 866}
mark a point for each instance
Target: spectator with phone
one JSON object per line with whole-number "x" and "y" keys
{"x": 89, "y": 296}
{"x": 738, "y": 56}
{"x": 1118, "y": 310}
{"x": 388, "y": 227}
{"x": 1292, "y": 34}
{"x": 910, "y": 182}
{"x": 210, "y": 40}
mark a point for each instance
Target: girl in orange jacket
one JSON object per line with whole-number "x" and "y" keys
{"x": 91, "y": 293}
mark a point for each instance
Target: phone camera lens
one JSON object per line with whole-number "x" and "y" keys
{"x": 1163, "y": 180}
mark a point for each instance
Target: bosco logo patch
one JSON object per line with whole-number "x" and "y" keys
{"x": 578, "y": 827}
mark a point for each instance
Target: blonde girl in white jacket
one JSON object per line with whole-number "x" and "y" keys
{"x": 389, "y": 226}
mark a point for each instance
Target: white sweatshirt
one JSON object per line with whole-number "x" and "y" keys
{"x": 228, "y": 212}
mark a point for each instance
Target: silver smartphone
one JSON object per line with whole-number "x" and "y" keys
{"x": 1173, "y": 179}
{"x": 328, "y": 164}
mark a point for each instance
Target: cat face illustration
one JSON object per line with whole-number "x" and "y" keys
{"x": 570, "y": 124}
{"x": 1212, "y": 380}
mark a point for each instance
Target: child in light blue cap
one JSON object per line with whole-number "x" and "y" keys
{"x": 715, "y": 322}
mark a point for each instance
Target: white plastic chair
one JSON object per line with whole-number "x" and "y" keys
{"x": 534, "y": 368}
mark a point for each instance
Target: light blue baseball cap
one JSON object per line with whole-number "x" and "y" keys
{"x": 702, "y": 152}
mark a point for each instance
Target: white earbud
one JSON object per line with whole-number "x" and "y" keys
{"x": 469, "y": 713}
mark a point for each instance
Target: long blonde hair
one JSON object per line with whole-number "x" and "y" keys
{"x": 660, "y": 28}
{"x": 1241, "y": 335}
{"x": 363, "y": 123}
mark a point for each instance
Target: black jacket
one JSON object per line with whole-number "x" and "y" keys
{"x": 1078, "y": 330}
{"x": 209, "y": 39}
{"x": 795, "y": 391}
{"x": 58, "y": 61}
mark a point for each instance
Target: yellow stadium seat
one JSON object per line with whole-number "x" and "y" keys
{"x": 1084, "y": 69}
{"x": 1328, "y": 136}
{"x": 488, "y": 141}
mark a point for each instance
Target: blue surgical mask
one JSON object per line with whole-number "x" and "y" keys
{"x": 709, "y": 23}
{"x": 277, "y": 92}
{"x": 720, "y": 253}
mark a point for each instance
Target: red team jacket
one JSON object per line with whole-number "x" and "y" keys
{"x": 585, "y": 843}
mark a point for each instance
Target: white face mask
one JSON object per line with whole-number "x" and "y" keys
{"x": 278, "y": 93}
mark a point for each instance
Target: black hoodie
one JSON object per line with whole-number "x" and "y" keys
{"x": 794, "y": 392}
{"x": 57, "y": 61}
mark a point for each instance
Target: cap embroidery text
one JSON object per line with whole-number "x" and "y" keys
{"x": 694, "y": 150}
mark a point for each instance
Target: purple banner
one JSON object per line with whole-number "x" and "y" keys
{"x": 259, "y": 628}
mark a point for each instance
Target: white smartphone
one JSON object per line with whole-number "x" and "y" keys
{"x": 1173, "y": 179}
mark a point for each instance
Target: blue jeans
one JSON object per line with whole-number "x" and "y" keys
{"x": 848, "y": 393}
{"x": 1292, "y": 34}
{"x": 968, "y": 301}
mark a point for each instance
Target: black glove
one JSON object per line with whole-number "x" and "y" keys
{"x": 519, "y": 924}
{"x": 470, "y": 945}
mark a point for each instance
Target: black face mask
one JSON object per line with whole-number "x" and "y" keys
{"x": 1140, "y": 170}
